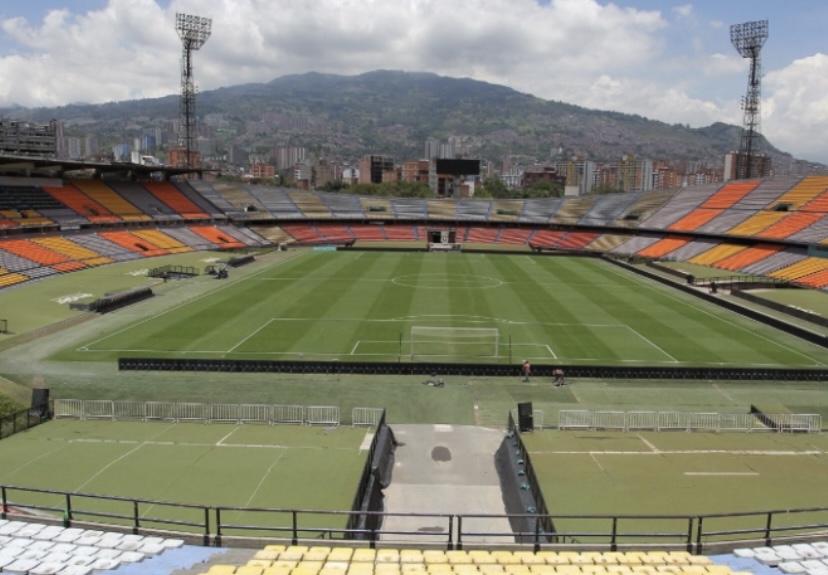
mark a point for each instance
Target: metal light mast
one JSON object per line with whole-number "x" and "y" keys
{"x": 748, "y": 39}
{"x": 193, "y": 32}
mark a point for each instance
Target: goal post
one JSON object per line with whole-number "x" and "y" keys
{"x": 429, "y": 342}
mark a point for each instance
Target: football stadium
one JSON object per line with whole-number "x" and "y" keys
{"x": 232, "y": 378}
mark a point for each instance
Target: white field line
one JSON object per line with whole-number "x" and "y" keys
{"x": 552, "y": 353}
{"x": 117, "y": 459}
{"x": 185, "y": 303}
{"x": 666, "y": 293}
{"x": 31, "y": 461}
{"x": 207, "y": 445}
{"x": 356, "y": 345}
{"x": 806, "y": 453}
{"x": 659, "y": 348}
{"x": 262, "y": 480}
{"x": 723, "y": 473}
{"x": 250, "y": 335}
{"x": 221, "y": 441}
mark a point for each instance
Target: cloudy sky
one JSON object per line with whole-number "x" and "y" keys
{"x": 663, "y": 59}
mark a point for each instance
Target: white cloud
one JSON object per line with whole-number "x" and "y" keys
{"x": 591, "y": 53}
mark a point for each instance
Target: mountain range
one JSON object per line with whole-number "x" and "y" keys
{"x": 394, "y": 113}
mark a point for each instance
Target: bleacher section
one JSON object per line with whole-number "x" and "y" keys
{"x": 663, "y": 247}
{"x": 803, "y": 192}
{"x": 207, "y": 190}
{"x": 105, "y": 196}
{"x": 790, "y": 225}
{"x": 310, "y": 204}
{"x": 646, "y": 205}
{"x": 515, "y": 236}
{"x": 400, "y": 233}
{"x": 606, "y": 242}
{"x": 608, "y": 208}
{"x": 81, "y": 204}
{"x": 138, "y": 196}
{"x": 693, "y": 249}
{"x": 134, "y": 243}
{"x": 724, "y": 221}
{"x": 729, "y": 194}
{"x": 303, "y": 233}
{"x": 765, "y": 194}
{"x": 368, "y": 233}
{"x": 335, "y": 233}
{"x": 409, "y": 209}
{"x": 680, "y": 205}
{"x": 539, "y": 210}
{"x": 377, "y": 208}
{"x": 755, "y": 224}
{"x": 506, "y": 210}
{"x": 747, "y": 257}
{"x": 243, "y": 204}
{"x": 170, "y": 196}
{"x": 218, "y": 235}
{"x": 441, "y": 209}
{"x": 573, "y": 209}
{"x": 800, "y": 269}
{"x": 163, "y": 241}
{"x": 22, "y": 204}
{"x": 478, "y": 235}
{"x": 634, "y": 245}
{"x": 344, "y": 206}
{"x": 72, "y": 250}
{"x": 775, "y": 262}
{"x": 473, "y": 210}
{"x": 713, "y": 255}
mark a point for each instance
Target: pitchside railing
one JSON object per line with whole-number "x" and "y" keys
{"x": 686, "y": 421}
{"x": 126, "y": 410}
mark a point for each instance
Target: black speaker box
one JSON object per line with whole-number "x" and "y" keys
{"x": 525, "y": 418}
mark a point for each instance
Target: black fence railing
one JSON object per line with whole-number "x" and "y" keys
{"x": 212, "y": 525}
{"x": 21, "y": 421}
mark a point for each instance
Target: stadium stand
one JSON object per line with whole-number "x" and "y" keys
{"x": 473, "y": 210}
{"x": 376, "y": 207}
{"x": 608, "y": 208}
{"x": 138, "y": 196}
{"x": 172, "y": 197}
{"x": 741, "y": 260}
{"x": 717, "y": 253}
{"x": 547, "y": 238}
{"x": 806, "y": 190}
{"x": 106, "y": 247}
{"x": 163, "y": 241}
{"x": 344, "y": 206}
{"x": 274, "y": 235}
{"x": 819, "y": 204}
{"x": 606, "y": 242}
{"x": 765, "y": 194}
{"x": 34, "y": 252}
{"x": 800, "y": 269}
{"x": 73, "y": 250}
{"x": 134, "y": 243}
{"x": 303, "y": 233}
{"x": 81, "y": 204}
{"x": 441, "y": 209}
{"x": 539, "y": 210}
{"x": 241, "y": 199}
{"x": 368, "y": 232}
{"x": 784, "y": 258}
{"x": 9, "y": 279}
{"x": 506, "y": 210}
{"x": 817, "y": 280}
{"x": 409, "y": 208}
{"x": 694, "y": 220}
{"x": 400, "y": 233}
{"x": 729, "y": 194}
{"x": 310, "y": 204}
{"x": 481, "y": 235}
{"x": 646, "y": 205}
{"x": 663, "y": 247}
{"x": 185, "y": 187}
{"x": 277, "y": 202}
{"x": 724, "y": 221}
{"x": 757, "y": 223}
{"x": 679, "y": 206}
{"x": 335, "y": 233}
{"x": 576, "y": 240}
{"x": 105, "y": 196}
{"x": 814, "y": 233}
{"x": 189, "y": 238}
{"x": 218, "y": 235}
{"x": 516, "y": 236}
{"x": 634, "y": 245}
{"x": 207, "y": 190}
{"x": 790, "y": 225}
{"x": 573, "y": 209}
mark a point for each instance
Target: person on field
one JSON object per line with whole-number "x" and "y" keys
{"x": 558, "y": 376}
{"x": 527, "y": 370}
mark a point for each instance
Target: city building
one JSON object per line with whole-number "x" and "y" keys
{"x": 376, "y": 169}
{"x": 22, "y": 138}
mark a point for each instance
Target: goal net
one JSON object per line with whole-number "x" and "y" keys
{"x": 430, "y": 343}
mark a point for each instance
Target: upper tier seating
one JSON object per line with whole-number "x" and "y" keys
{"x": 205, "y": 205}
{"x": 409, "y": 209}
{"x": 244, "y": 203}
{"x": 681, "y": 204}
{"x": 82, "y": 204}
{"x": 343, "y": 205}
{"x": 715, "y": 254}
{"x": 172, "y": 197}
{"x": 310, "y": 204}
{"x": 608, "y": 208}
{"x": 207, "y": 190}
{"x": 809, "y": 188}
{"x": 724, "y": 221}
{"x": 729, "y": 194}
{"x": 277, "y": 202}
{"x": 693, "y": 249}
{"x": 539, "y": 210}
{"x": 814, "y": 233}
{"x": 694, "y": 219}
{"x": 790, "y": 225}
{"x": 377, "y": 207}
{"x": 643, "y": 208}
{"x": 102, "y": 194}
{"x": 506, "y": 210}
{"x": 756, "y": 223}
{"x": 138, "y": 196}
{"x": 473, "y": 210}
{"x": 441, "y": 209}
{"x": 765, "y": 194}
{"x": 573, "y": 209}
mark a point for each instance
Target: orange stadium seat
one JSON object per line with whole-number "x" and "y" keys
{"x": 170, "y": 195}
{"x": 730, "y": 194}
{"x": 663, "y": 247}
{"x": 694, "y": 219}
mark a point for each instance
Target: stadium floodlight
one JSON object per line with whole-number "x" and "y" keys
{"x": 194, "y": 32}
{"x": 748, "y": 39}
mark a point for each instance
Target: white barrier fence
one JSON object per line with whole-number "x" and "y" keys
{"x": 685, "y": 421}
{"x": 327, "y": 415}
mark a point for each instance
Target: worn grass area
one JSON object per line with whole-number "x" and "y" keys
{"x": 677, "y": 473}
{"x": 283, "y": 467}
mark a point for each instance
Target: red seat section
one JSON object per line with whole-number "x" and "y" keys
{"x": 170, "y": 195}
{"x": 134, "y": 243}
{"x": 81, "y": 203}
{"x": 34, "y": 252}
{"x": 217, "y": 236}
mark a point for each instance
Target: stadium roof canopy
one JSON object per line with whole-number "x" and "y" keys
{"x": 51, "y": 167}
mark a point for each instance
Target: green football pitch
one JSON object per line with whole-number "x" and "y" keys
{"x": 393, "y": 306}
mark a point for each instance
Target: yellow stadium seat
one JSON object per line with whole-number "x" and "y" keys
{"x": 504, "y": 557}
{"x": 276, "y": 548}
{"x": 286, "y": 563}
{"x": 439, "y": 569}
{"x": 277, "y": 571}
{"x": 413, "y": 568}
{"x": 482, "y": 557}
{"x": 388, "y": 556}
{"x": 267, "y": 554}
{"x": 543, "y": 569}
{"x": 221, "y": 570}
{"x": 249, "y": 570}
{"x": 363, "y": 555}
{"x": 334, "y": 569}
{"x": 491, "y": 568}
{"x": 529, "y": 558}
{"x": 341, "y": 554}
{"x": 465, "y": 569}
{"x": 317, "y": 553}
{"x": 263, "y": 563}
{"x": 457, "y": 557}
{"x": 435, "y": 557}
{"x": 700, "y": 560}
{"x": 411, "y": 556}
{"x": 387, "y": 569}
{"x": 569, "y": 569}
{"x": 592, "y": 569}
{"x": 715, "y": 569}
{"x": 363, "y": 568}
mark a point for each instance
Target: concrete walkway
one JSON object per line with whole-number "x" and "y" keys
{"x": 445, "y": 469}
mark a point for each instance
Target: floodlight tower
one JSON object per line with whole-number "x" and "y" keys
{"x": 748, "y": 39}
{"x": 193, "y": 32}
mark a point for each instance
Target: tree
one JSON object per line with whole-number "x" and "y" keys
{"x": 495, "y": 188}
{"x": 544, "y": 189}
